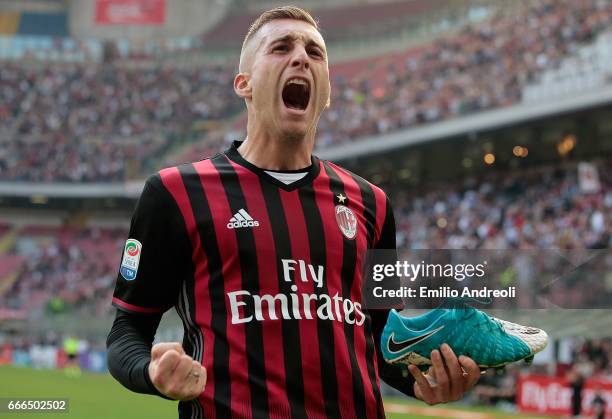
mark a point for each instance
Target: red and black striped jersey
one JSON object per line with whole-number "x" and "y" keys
{"x": 267, "y": 279}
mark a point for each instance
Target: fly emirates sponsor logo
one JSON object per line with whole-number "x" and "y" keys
{"x": 246, "y": 307}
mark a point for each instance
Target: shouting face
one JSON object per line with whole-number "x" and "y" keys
{"x": 284, "y": 78}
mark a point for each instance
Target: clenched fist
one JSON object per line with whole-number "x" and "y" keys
{"x": 175, "y": 374}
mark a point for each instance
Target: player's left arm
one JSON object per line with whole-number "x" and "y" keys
{"x": 448, "y": 379}
{"x": 394, "y": 375}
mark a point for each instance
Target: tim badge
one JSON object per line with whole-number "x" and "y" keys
{"x": 131, "y": 257}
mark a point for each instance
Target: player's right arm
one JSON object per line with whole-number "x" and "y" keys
{"x": 163, "y": 369}
{"x": 155, "y": 261}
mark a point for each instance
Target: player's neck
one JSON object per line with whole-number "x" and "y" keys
{"x": 270, "y": 153}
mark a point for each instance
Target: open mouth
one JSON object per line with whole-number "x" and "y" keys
{"x": 296, "y": 93}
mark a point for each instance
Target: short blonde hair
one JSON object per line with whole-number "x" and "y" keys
{"x": 283, "y": 12}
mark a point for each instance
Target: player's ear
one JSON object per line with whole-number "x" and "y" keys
{"x": 242, "y": 85}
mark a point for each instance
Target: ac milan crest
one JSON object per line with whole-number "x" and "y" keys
{"x": 346, "y": 221}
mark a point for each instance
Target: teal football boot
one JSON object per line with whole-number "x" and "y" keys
{"x": 490, "y": 342}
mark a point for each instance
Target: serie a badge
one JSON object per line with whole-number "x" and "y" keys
{"x": 130, "y": 260}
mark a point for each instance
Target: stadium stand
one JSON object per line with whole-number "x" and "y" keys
{"x": 463, "y": 74}
{"x": 75, "y": 265}
{"x": 15, "y": 87}
{"x": 85, "y": 122}
{"x": 588, "y": 68}
{"x": 540, "y": 208}
{"x": 9, "y": 266}
{"x": 451, "y": 77}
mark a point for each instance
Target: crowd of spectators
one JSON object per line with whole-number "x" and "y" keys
{"x": 591, "y": 358}
{"x": 76, "y": 269}
{"x": 483, "y": 66}
{"x": 78, "y": 119}
{"x": 78, "y": 122}
{"x": 539, "y": 208}
{"x": 109, "y": 101}
{"x": 14, "y": 88}
{"x": 59, "y": 158}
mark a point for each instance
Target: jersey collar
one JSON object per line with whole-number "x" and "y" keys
{"x": 313, "y": 171}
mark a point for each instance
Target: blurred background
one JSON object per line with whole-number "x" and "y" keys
{"x": 488, "y": 123}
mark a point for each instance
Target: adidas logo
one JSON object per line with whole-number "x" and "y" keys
{"x": 242, "y": 219}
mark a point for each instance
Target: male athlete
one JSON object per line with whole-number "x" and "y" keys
{"x": 260, "y": 250}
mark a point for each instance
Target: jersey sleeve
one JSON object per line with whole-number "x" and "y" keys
{"x": 128, "y": 346}
{"x": 386, "y": 253}
{"x": 387, "y": 239}
{"x": 156, "y": 256}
